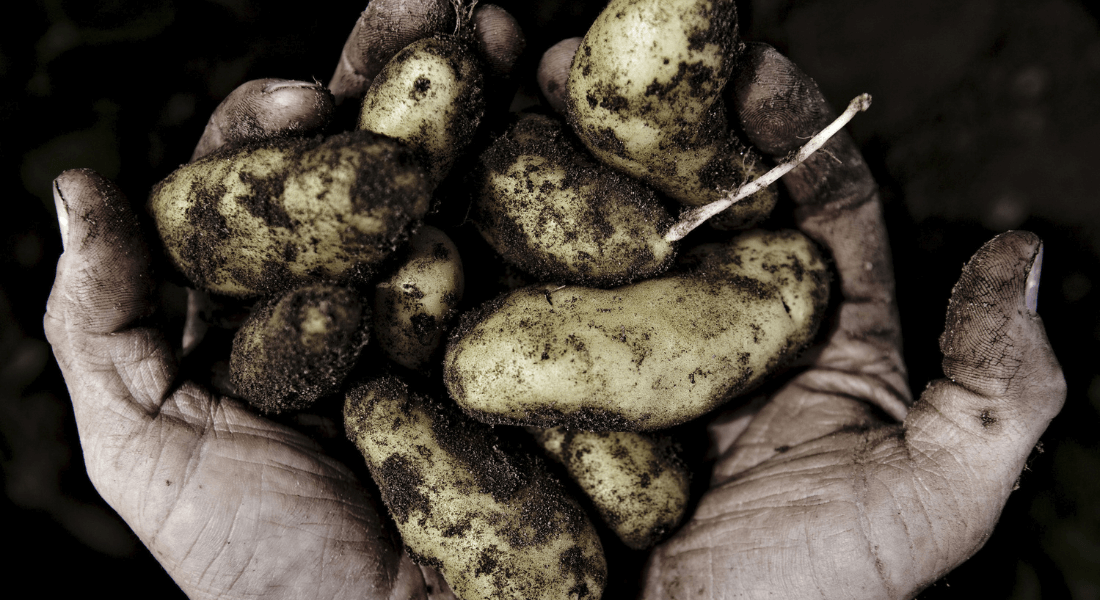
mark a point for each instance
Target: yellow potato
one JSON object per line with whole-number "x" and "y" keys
{"x": 496, "y": 525}
{"x": 292, "y": 351}
{"x": 548, "y": 208}
{"x": 412, "y": 306}
{"x": 264, "y": 218}
{"x": 644, "y": 94}
{"x": 634, "y": 480}
{"x": 645, "y": 356}
{"x": 429, "y": 96}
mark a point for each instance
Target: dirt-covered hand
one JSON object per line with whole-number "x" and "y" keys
{"x": 838, "y": 485}
{"x": 232, "y": 504}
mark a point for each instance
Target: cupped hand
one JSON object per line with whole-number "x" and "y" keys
{"x": 837, "y": 485}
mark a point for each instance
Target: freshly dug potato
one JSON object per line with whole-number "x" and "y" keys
{"x": 645, "y": 356}
{"x": 494, "y": 524}
{"x": 263, "y": 218}
{"x": 644, "y": 94}
{"x": 430, "y": 97}
{"x": 295, "y": 349}
{"x": 412, "y": 306}
{"x": 634, "y": 480}
{"x": 549, "y": 209}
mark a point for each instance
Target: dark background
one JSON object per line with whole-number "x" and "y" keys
{"x": 985, "y": 119}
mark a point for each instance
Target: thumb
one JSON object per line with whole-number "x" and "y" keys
{"x": 102, "y": 291}
{"x": 1004, "y": 383}
{"x": 103, "y": 281}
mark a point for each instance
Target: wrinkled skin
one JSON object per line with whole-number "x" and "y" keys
{"x": 836, "y": 486}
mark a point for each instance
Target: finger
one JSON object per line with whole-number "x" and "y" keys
{"x": 103, "y": 289}
{"x": 266, "y": 108}
{"x": 553, "y": 71}
{"x": 500, "y": 40}
{"x": 1004, "y": 383}
{"x": 384, "y": 28}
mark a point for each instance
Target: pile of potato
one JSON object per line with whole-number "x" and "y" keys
{"x": 622, "y": 333}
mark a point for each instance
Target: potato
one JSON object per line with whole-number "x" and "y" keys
{"x": 634, "y": 480}
{"x": 644, "y": 95}
{"x": 549, "y": 209}
{"x": 430, "y": 97}
{"x": 298, "y": 348}
{"x": 412, "y": 305}
{"x": 645, "y": 356}
{"x": 495, "y": 525}
{"x": 264, "y": 218}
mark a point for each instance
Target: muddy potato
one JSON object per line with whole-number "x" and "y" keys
{"x": 412, "y": 306}
{"x": 430, "y": 97}
{"x": 294, "y": 349}
{"x": 549, "y": 209}
{"x": 634, "y": 480}
{"x": 644, "y": 94}
{"x": 264, "y": 218}
{"x": 496, "y": 525}
{"x": 645, "y": 356}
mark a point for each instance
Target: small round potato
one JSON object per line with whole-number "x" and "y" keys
{"x": 292, "y": 351}
{"x": 430, "y": 97}
{"x": 495, "y": 524}
{"x": 264, "y": 218}
{"x": 645, "y": 356}
{"x": 635, "y": 480}
{"x": 551, "y": 210}
{"x": 412, "y": 306}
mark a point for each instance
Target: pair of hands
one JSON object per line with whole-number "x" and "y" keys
{"x": 837, "y": 484}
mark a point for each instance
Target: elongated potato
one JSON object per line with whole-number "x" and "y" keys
{"x": 494, "y": 524}
{"x": 430, "y": 97}
{"x": 644, "y": 356}
{"x": 549, "y": 209}
{"x": 634, "y": 480}
{"x": 263, "y": 218}
{"x": 412, "y": 306}
{"x": 644, "y": 94}
{"x": 297, "y": 348}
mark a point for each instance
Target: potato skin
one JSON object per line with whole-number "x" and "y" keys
{"x": 644, "y": 95}
{"x": 295, "y": 349}
{"x": 263, "y": 218}
{"x": 548, "y": 208}
{"x": 645, "y": 356}
{"x": 634, "y": 480}
{"x": 430, "y": 96}
{"x": 495, "y": 524}
{"x": 414, "y": 304}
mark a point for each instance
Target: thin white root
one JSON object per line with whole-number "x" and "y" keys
{"x": 692, "y": 218}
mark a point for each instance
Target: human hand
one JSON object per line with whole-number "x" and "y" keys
{"x": 838, "y": 484}
{"x": 232, "y": 504}
{"x": 859, "y": 363}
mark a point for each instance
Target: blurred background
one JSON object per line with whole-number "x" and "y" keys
{"x": 985, "y": 119}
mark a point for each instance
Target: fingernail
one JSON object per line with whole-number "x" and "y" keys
{"x": 62, "y": 214}
{"x": 288, "y": 83}
{"x": 1031, "y": 289}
